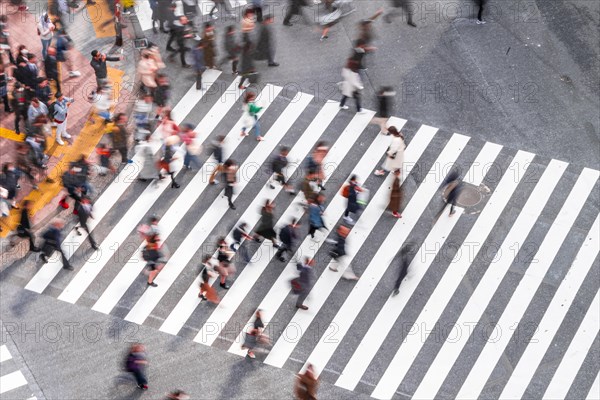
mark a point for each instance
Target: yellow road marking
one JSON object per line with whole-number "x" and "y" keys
{"x": 12, "y": 135}
{"x": 102, "y": 19}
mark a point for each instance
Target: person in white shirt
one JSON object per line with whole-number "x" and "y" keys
{"x": 46, "y": 31}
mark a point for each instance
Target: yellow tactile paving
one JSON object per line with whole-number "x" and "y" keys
{"x": 102, "y": 19}
{"x": 12, "y": 135}
{"x": 85, "y": 143}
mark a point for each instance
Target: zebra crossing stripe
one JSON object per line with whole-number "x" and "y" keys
{"x": 132, "y": 269}
{"x": 12, "y": 381}
{"x": 113, "y": 192}
{"x": 576, "y": 353}
{"x": 4, "y": 354}
{"x": 281, "y": 288}
{"x": 395, "y": 372}
{"x": 229, "y": 303}
{"x": 522, "y": 296}
{"x": 556, "y": 311}
{"x": 474, "y": 309}
{"x": 594, "y": 393}
{"x": 283, "y": 348}
{"x": 208, "y": 221}
{"x": 380, "y": 262}
{"x": 387, "y": 316}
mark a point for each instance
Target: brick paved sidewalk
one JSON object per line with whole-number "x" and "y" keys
{"x": 85, "y": 134}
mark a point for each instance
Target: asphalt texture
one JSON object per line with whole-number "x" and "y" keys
{"x": 526, "y": 80}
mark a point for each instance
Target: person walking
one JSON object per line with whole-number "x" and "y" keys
{"x": 395, "y": 154}
{"x": 305, "y": 280}
{"x": 148, "y": 171}
{"x": 454, "y": 185}
{"x": 239, "y": 234}
{"x": 402, "y": 269}
{"x": 51, "y": 67}
{"x": 265, "y": 46}
{"x": 120, "y": 137}
{"x": 36, "y": 109}
{"x": 146, "y": 70}
{"x": 278, "y": 163}
{"x": 217, "y": 152}
{"x": 162, "y": 94}
{"x": 208, "y": 43}
{"x": 314, "y": 164}
{"x": 232, "y": 49}
{"x": 385, "y": 97}
{"x": 339, "y": 252}
{"x": 45, "y": 30}
{"x": 256, "y": 335}
{"x": 64, "y": 46}
{"x": 52, "y": 239}
{"x": 266, "y": 225}
{"x": 396, "y": 195}
{"x": 84, "y": 213}
{"x": 4, "y": 79}
{"x": 230, "y": 168}
{"x": 136, "y": 363}
{"x": 199, "y": 66}
{"x": 294, "y": 8}
{"x": 480, "y": 19}
{"x": 315, "y": 215}
{"x": 98, "y": 63}
{"x": 20, "y": 106}
{"x": 192, "y": 147}
{"x": 59, "y": 113}
{"x": 225, "y": 269}
{"x": 207, "y": 271}
{"x": 165, "y": 15}
{"x": 307, "y": 384}
{"x": 247, "y": 68}
{"x": 352, "y": 85}
{"x": 399, "y": 7}
{"x": 287, "y": 236}
{"x": 250, "y": 116}
{"x": 24, "y": 227}
{"x": 153, "y": 257}
{"x": 179, "y": 32}
{"x": 350, "y": 191}
{"x": 169, "y": 156}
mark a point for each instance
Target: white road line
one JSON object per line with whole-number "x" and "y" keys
{"x": 576, "y": 353}
{"x": 387, "y": 316}
{"x": 114, "y": 191}
{"x": 208, "y": 221}
{"x": 178, "y": 209}
{"x": 283, "y": 348}
{"x": 594, "y": 393}
{"x": 341, "y": 323}
{"x": 12, "y": 381}
{"x": 280, "y": 289}
{"x": 144, "y": 14}
{"x": 4, "y": 354}
{"x": 548, "y": 326}
{"x": 441, "y": 366}
{"x": 407, "y": 353}
{"x": 229, "y": 303}
{"x": 525, "y": 291}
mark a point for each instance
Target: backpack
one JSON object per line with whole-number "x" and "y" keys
{"x": 52, "y": 109}
{"x": 346, "y": 191}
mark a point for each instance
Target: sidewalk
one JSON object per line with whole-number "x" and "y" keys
{"x": 88, "y": 33}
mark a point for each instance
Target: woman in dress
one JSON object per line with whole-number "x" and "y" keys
{"x": 395, "y": 153}
{"x": 396, "y": 196}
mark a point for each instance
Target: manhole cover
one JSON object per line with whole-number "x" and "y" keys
{"x": 469, "y": 196}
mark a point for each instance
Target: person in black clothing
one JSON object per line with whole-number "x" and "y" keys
{"x": 230, "y": 168}
{"x": 294, "y": 8}
{"x": 403, "y": 269}
{"x": 307, "y": 276}
{"x": 240, "y": 233}
{"x": 20, "y": 105}
{"x": 385, "y": 97}
{"x": 265, "y": 46}
{"x": 24, "y": 228}
{"x": 179, "y": 32}
{"x": 278, "y": 163}
{"x": 4, "y": 88}
{"x": 265, "y": 228}
{"x": 287, "y": 236}
{"x": 218, "y": 155}
{"x": 52, "y": 240}
{"x": 98, "y": 63}
{"x": 136, "y": 364}
{"x": 480, "y": 3}
{"x": 232, "y": 49}
{"x": 43, "y": 91}
{"x": 455, "y": 184}
{"x": 352, "y": 207}
{"x": 165, "y": 14}
{"x": 84, "y": 212}
{"x": 51, "y": 67}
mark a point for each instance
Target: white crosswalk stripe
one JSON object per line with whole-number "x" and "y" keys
{"x": 13, "y": 380}
{"x": 264, "y": 283}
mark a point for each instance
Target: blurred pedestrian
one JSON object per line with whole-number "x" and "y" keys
{"x": 148, "y": 171}
{"x": 146, "y": 70}
{"x": 64, "y": 46}
{"x": 53, "y": 238}
{"x": 168, "y": 157}
{"x": 256, "y": 335}
{"x": 266, "y": 225}
{"x": 247, "y": 68}
{"x": 98, "y": 63}
{"x": 10, "y": 181}
{"x": 305, "y": 280}
{"x": 294, "y": 8}
{"x": 247, "y": 25}
{"x": 404, "y": 263}
{"x": 278, "y": 163}
{"x": 153, "y": 256}
{"x": 180, "y": 31}
{"x": 120, "y": 137}
{"x": 480, "y": 19}
{"x": 45, "y": 30}
{"x": 217, "y": 152}
{"x": 314, "y": 164}
{"x": 43, "y": 91}
{"x": 136, "y": 363}
{"x": 239, "y": 234}
{"x": 230, "y": 168}
{"x": 51, "y": 67}
{"x": 225, "y": 268}
{"x": 207, "y": 271}
{"x": 316, "y": 209}
{"x": 454, "y": 186}
{"x": 396, "y": 195}
{"x": 250, "y": 117}
{"x": 192, "y": 147}
{"x": 199, "y": 66}
{"x": 162, "y": 94}
{"x": 395, "y": 154}
{"x": 265, "y": 46}
{"x": 36, "y": 109}
{"x": 84, "y": 213}
{"x": 339, "y": 252}
{"x": 208, "y": 45}
{"x": 224, "y": 10}
{"x": 4, "y": 79}
{"x": 24, "y": 227}
{"x": 165, "y": 15}
{"x": 399, "y": 7}
{"x": 385, "y": 97}
{"x": 307, "y": 384}
{"x": 20, "y": 106}
{"x": 59, "y": 113}
{"x": 350, "y": 191}
{"x": 232, "y": 49}
{"x": 287, "y": 237}
{"x": 352, "y": 85}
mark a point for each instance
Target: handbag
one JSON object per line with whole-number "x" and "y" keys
{"x": 296, "y": 286}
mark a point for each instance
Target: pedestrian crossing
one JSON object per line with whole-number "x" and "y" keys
{"x": 13, "y": 384}
{"x": 465, "y": 270}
